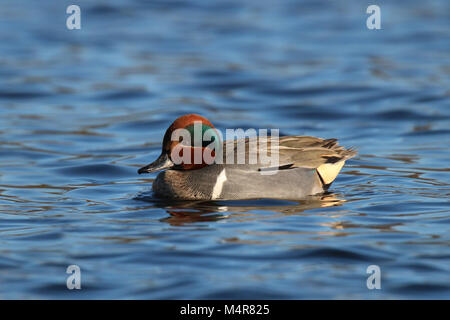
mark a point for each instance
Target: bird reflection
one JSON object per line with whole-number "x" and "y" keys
{"x": 186, "y": 213}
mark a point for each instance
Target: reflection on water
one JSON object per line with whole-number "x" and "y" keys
{"x": 80, "y": 111}
{"x": 189, "y": 212}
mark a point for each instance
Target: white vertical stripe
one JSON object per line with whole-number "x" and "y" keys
{"x": 219, "y": 185}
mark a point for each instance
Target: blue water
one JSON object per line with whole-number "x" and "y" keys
{"x": 82, "y": 110}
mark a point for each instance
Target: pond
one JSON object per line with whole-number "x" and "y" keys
{"x": 82, "y": 110}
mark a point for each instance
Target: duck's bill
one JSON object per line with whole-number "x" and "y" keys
{"x": 163, "y": 162}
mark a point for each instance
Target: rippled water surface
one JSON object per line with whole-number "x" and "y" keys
{"x": 82, "y": 110}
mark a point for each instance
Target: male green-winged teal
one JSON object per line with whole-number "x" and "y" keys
{"x": 305, "y": 165}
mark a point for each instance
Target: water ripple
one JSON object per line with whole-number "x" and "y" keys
{"x": 81, "y": 110}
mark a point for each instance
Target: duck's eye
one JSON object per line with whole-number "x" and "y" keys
{"x": 201, "y": 136}
{"x": 206, "y": 143}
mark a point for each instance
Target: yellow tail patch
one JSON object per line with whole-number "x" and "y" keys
{"x": 329, "y": 171}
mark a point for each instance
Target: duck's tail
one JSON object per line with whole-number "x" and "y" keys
{"x": 330, "y": 169}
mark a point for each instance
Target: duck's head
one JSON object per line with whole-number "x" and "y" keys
{"x": 189, "y": 143}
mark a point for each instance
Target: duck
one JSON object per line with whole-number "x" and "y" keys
{"x": 237, "y": 170}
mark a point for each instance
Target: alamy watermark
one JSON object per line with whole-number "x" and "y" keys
{"x": 199, "y": 146}
{"x": 374, "y": 280}
{"x": 374, "y": 20}
{"x": 74, "y": 280}
{"x": 74, "y": 20}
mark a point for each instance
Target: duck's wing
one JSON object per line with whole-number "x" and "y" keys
{"x": 325, "y": 155}
{"x": 312, "y": 152}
